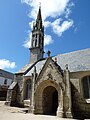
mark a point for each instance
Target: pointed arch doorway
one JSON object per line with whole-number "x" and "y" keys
{"x": 50, "y": 100}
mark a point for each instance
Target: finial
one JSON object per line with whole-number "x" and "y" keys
{"x": 55, "y": 60}
{"x": 48, "y": 53}
{"x": 66, "y": 66}
{"x": 39, "y": 4}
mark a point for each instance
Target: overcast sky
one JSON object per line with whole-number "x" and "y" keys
{"x": 66, "y": 22}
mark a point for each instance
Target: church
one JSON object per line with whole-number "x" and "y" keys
{"x": 58, "y": 85}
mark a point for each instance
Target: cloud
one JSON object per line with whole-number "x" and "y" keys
{"x": 47, "y": 24}
{"x": 6, "y": 64}
{"x": 50, "y": 8}
{"x": 59, "y": 29}
{"x": 27, "y": 43}
{"x": 59, "y": 25}
{"x": 48, "y": 40}
{"x": 55, "y": 14}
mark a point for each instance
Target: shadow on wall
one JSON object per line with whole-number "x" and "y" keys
{"x": 78, "y": 112}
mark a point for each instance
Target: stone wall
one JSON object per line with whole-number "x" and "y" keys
{"x": 81, "y": 106}
{"x": 19, "y": 79}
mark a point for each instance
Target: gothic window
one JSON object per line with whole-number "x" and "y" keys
{"x": 37, "y": 40}
{"x": 86, "y": 87}
{"x": 34, "y": 40}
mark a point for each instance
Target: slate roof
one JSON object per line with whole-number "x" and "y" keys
{"x": 24, "y": 68}
{"x": 39, "y": 66}
{"x": 77, "y": 61}
{"x": 6, "y": 74}
{"x": 30, "y": 67}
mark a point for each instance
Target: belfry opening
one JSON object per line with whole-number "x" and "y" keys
{"x": 50, "y": 100}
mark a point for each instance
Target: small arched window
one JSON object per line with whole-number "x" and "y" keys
{"x": 86, "y": 87}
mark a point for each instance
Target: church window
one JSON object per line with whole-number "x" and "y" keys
{"x": 86, "y": 87}
{"x": 5, "y": 82}
{"x": 34, "y": 40}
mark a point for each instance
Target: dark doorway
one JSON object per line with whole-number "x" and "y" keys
{"x": 55, "y": 102}
{"x": 3, "y": 95}
{"x": 50, "y": 100}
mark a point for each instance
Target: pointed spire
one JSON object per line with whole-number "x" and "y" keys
{"x": 39, "y": 17}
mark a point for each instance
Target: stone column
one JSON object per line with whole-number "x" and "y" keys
{"x": 60, "y": 111}
{"x": 32, "y": 103}
{"x": 68, "y": 93}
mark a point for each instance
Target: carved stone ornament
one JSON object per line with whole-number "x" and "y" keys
{"x": 50, "y": 76}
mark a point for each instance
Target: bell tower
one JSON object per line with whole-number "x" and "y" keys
{"x": 37, "y": 41}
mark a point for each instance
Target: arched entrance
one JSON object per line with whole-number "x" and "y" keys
{"x": 50, "y": 100}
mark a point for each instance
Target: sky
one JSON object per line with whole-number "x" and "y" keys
{"x": 66, "y": 23}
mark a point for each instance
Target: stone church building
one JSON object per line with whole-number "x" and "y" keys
{"x": 57, "y": 85}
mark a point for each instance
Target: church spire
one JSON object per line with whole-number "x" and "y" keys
{"x": 37, "y": 41}
{"x": 39, "y": 17}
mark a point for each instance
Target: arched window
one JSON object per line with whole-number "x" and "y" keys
{"x": 34, "y": 44}
{"x": 86, "y": 87}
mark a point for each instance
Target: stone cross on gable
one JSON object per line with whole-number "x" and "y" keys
{"x": 48, "y": 53}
